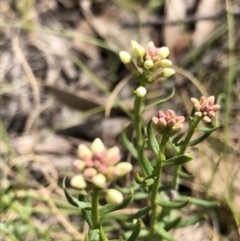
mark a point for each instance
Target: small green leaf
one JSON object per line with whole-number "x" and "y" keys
{"x": 136, "y": 231}
{"x": 191, "y": 221}
{"x": 148, "y": 181}
{"x": 87, "y": 214}
{"x": 143, "y": 233}
{"x": 176, "y": 139}
{"x": 138, "y": 179}
{"x": 74, "y": 201}
{"x": 145, "y": 162}
{"x": 185, "y": 175}
{"x": 199, "y": 139}
{"x": 178, "y": 160}
{"x": 159, "y": 101}
{"x": 200, "y": 202}
{"x": 140, "y": 196}
{"x": 108, "y": 208}
{"x": 103, "y": 235}
{"x": 94, "y": 235}
{"x": 152, "y": 141}
{"x": 128, "y": 144}
{"x": 208, "y": 129}
{"x": 172, "y": 224}
{"x": 208, "y": 132}
{"x": 164, "y": 234}
{"x": 139, "y": 214}
{"x": 86, "y": 238}
{"x": 165, "y": 188}
{"x": 172, "y": 205}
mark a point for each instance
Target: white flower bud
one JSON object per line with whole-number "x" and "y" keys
{"x": 78, "y": 182}
{"x": 163, "y": 52}
{"x": 206, "y": 119}
{"x": 148, "y": 64}
{"x": 125, "y": 57}
{"x": 141, "y": 91}
{"x": 165, "y": 63}
{"x": 99, "y": 180}
{"x": 168, "y": 72}
{"x": 113, "y": 196}
{"x": 84, "y": 152}
{"x": 137, "y": 49}
{"x": 124, "y": 168}
{"x": 97, "y": 146}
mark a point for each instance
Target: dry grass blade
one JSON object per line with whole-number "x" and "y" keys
{"x": 34, "y": 85}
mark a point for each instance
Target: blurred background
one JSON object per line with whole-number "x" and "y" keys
{"x": 62, "y": 84}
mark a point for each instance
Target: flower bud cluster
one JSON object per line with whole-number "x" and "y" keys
{"x": 149, "y": 59}
{"x": 168, "y": 123}
{"x": 205, "y": 108}
{"x": 98, "y": 165}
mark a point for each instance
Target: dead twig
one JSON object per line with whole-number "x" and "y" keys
{"x": 187, "y": 20}
{"x": 33, "y": 116}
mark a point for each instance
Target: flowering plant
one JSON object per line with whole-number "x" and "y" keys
{"x": 99, "y": 167}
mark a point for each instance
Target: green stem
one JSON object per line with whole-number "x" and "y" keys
{"x": 231, "y": 70}
{"x": 183, "y": 149}
{"x": 161, "y": 158}
{"x": 138, "y": 124}
{"x": 95, "y": 210}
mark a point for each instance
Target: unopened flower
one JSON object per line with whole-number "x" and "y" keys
{"x": 205, "y": 108}
{"x": 113, "y": 196}
{"x": 125, "y": 57}
{"x": 98, "y": 164}
{"x": 78, "y": 182}
{"x": 163, "y": 52}
{"x": 124, "y": 168}
{"x": 168, "y": 123}
{"x": 137, "y": 49}
{"x": 148, "y": 64}
{"x": 168, "y": 72}
{"x": 141, "y": 91}
{"x": 99, "y": 180}
{"x": 164, "y": 63}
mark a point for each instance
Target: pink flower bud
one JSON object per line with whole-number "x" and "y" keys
{"x": 211, "y": 100}
{"x": 198, "y": 114}
{"x": 161, "y": 114}
{"x": 205, "y": 108}
{"x": 79, "y": 164}
{"x": 162, "y": 122}
{"x": 215, "y": 108}
{"x": 89, "y": 172}
{"x": 195, "y": 101}
{"x": 113, "y": 155}
{"x": 84, "y": 153}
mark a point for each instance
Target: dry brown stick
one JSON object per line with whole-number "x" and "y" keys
{"x": 34, "y": 85}
{"x": 192, "y": 78}
{"x": 190, "y": 19}
{"x": 114, "y": 94}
